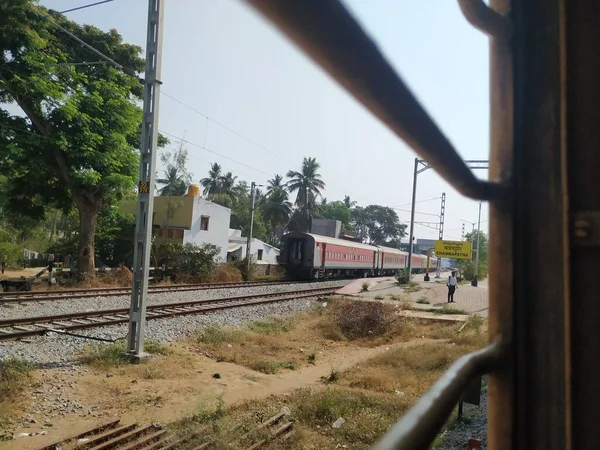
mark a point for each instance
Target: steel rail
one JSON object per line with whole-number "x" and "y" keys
{"x": 9, "y": 297}
{"x": 414, "y": 430}
{"x": 329, "y": 34}
{"x": 155, "y": 312}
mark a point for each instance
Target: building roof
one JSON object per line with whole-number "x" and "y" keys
{"x": 233, "y": 247}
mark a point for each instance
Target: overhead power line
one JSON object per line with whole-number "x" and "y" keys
{"x": 216, "y": 153}
{"x": 227, "y": 128}
{"x": 420, "y": 201}
{"x": 86, "y": 6}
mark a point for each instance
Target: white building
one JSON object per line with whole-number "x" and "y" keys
{"x": 189, "y": 219}
{"x": 262, "y": 252}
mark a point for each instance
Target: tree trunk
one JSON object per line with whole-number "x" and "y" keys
{"x": 88, "y": 213}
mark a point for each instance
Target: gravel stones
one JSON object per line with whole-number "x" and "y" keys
{"x": 475, "y": 427}
{"x": 55, "y": 350}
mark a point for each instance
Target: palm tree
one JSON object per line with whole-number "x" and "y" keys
{"x": 227, "y": 183}
{"x": 308, "y": 183}
{"x": 277, "y": 210}
{"x": 212, "y": 183}
{"x": 275, "y": 183}
{"x": 349, "y": 203}
{"x": 173, "y": 182}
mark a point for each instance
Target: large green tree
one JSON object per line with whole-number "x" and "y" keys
{"x": 336, "y": 210}
{"x": 466, "y": 266}
{"x": 378, "y": 225}
{"x": 76, "y": 135}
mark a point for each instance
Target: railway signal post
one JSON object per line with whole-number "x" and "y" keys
{"x": 145, "y": 203}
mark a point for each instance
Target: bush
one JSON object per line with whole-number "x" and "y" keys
{"x": 191, "y": 259}
{"x": 402, "y": 276}
{"x": 357, "y": 319}
{"x": 226, "y": 273}
{"x": 248, "y": 274}
{"x": 13, "y": 253}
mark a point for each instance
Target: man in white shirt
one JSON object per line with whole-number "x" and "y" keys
{"x": 452, "y": 286}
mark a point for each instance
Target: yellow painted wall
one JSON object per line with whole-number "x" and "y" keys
{"x": 181, "y": 211}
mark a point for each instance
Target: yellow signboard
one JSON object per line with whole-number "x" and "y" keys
{"x": 452, "y": 249}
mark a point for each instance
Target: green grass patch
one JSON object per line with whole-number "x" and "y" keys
{"x": 271, "y": 326}
{"x": 106, "y": 356}
{"x": 448, "y": 310}
{"x": 379, "y": 297}
{"x": 423, "y": 301}
{"x": 365, "y": 287}
{"x": 218, "y": 335}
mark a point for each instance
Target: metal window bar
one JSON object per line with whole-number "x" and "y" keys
{"x": 328, "y": 33}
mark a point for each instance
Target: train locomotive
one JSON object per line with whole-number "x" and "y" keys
{"x": 312, "y": 256}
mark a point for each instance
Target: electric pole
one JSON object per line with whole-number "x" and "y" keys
{"x": 145, "y": 203}
{"x": 475, "y": 281}
{"x": 441, "y": 233}
{"x": 249, "y": 239}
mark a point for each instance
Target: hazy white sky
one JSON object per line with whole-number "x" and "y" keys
{"x": 225, "y": 61}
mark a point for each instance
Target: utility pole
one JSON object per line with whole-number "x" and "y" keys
{"x": 471, "y": 164}
{"x": 474, "y": 283}
{"x": 441, "y": 233}
{"x": 411, "y": 234}
{"x": 145, "y": 204}
{"x": 249, "y": 239}
{"x": 462, "y": 235}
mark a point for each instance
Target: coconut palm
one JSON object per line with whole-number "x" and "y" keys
{"x": 227, "y": 183}
{"x": 275, "y": 183}
{"x": 212, "y": 183}
{"x": 276, "y": 209}
{"x": 174, "y": 182}
{"x": 308, "y": 183}
{"x": 349, "y": 203}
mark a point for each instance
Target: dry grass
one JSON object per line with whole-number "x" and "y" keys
{"x": 258, "y": 346}
{"x": 226, "y": 273}
{"x": 15, "y": 376}
{"x": 411, "y": 287}
{"x": 281, "y": 344}
{"x": 370, "y": 397}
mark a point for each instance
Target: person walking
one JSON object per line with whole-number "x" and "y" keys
{"x": 452, "y": 284}
{"x": 3, "y": 263}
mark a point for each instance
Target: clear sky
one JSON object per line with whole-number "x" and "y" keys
{"x": 225, "y": 61}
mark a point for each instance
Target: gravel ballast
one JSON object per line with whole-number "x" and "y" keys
{"x": 54, "y": 349}
{"x": 474, "y": 427}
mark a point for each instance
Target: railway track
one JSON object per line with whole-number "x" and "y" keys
{"x": 37, "y": 326}
{"x": 66, "y": 294}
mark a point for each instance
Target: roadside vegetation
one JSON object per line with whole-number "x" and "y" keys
{"x": 369, "y": 397}
{"x": 15, "y": 377}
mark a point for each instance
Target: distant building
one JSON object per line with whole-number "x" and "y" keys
{"x": 326, "y": 227}
{"x": 423, "y": 245}
{"x": 189, "y": 219}
{"x": 262, "y": 252}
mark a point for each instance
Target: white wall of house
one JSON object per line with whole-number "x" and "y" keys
{"x": 268, "y": 254}
{"x": 207, "y": 214}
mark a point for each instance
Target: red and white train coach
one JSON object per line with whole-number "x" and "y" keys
{"x": 308, "y": 255}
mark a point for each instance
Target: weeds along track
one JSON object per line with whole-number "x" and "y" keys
{"x": 38, "y": 326}
{"x": 17, "y": 297}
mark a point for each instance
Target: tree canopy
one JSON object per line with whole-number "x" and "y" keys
{"x": 69, "y": 145}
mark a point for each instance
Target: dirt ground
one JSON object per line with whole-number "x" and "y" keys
{"x": 212, "y": 367}
{"x": 27, "y": 273}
